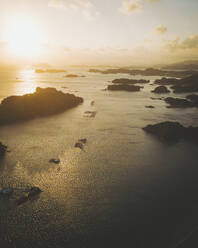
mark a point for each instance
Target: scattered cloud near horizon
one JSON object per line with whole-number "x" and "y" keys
{"x": 153, "y": 1}
{"x": 70, "y": 3}
{"x": 190, "y": 42}
{"x": 132, "y": 6}
{"x": 86, "y": 7}
{"x": 161, "y": 30}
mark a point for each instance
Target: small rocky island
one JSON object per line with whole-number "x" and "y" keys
{"x": 191, "y": 101}
{"x": 74, "y": 76}
{"x": 178, "y": 103}
{"x": 166, "y": 81}
{"x": 71, "y": 75}
{"x": 124, "y": 87}
{"x": 172, "y": 132}
{"x": 129, "y": 81}
{"x": 161, "y": 90}
{"x": 186, "y": 85}
{"x": 125, "y": 84}
{"x": 43, "y": 102}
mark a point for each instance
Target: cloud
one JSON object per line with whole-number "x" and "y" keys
{"x": 190, "y": 43}
{"x": 153, "y": 1}
{"x": 91, "y": 15}
{"x": 161, "y": 30}
{"x": 131, "y": 6}
{"x": 86, "y": 7}
{"x": 173, "y": 45}
{"x": 146, "y": 40}
{"x": 70, "y": 4}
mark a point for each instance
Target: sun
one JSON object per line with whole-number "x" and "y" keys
{"x": 24, "y": 38}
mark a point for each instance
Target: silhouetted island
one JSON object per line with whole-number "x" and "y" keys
{"x": 124, "y": 87}
{"x": 166, "y": 81}
{"x": 179, "y": 103}
{"x": 161, "y": 90}
{"x": 43, "y": 102}
{"x": 146, "y": 72}
{"x": 185, "y": 85}
{"x": 129, "y": 81}
{"x": 150, "y": 107}
{"x": 184, "y": 65}
{"x": 71, "y": 76}
{"x": 49, "y": 71}
{"x": 74, "y": 76}
{"x": 172, "y": 132}
{"x": 193, "y": 98}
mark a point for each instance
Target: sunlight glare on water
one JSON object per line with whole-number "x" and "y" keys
{"x": 28, "y": 82}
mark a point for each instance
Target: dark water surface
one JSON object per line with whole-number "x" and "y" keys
{"x": 126, "y": 189}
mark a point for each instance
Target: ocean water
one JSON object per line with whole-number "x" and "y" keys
{"x": 126, "y": 189}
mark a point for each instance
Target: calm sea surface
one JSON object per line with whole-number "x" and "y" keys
{"x": 126, "y": 189}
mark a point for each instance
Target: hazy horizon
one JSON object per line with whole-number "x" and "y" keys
{"x": 92, "y": 32}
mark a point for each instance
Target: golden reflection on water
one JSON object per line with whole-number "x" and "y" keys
{"x": 56, "y": 181}
{"x": 28, "y": 82}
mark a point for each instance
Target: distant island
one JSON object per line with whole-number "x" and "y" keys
{"x": 185, "y": 85}
{"x": 146, "y": 72}
{"x": 185, "y": 65}
{"x": 161, "y": 90}
{"x": 73, "y": 76}
{"x": 129, "y": 81}
{"x": 49, "y": 71}
{"x": 43, "y": 102}
{"x": 125, "y": 84}
{"x": 191, "y": 101}
{"x": 124, "y": 87}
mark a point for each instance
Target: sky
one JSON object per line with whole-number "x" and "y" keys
{"x": 98, "y": 32}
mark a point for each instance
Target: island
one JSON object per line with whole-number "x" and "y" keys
{"x": 179, "y": 103}
{"x": 146, "y": 72}
{"x": 166, "y": 81}
{"x": 71, "y": 75}
{"x": 124, "y": 87}
{"x": 193, "y": 98}
{"x": 129, "y": 81}
{"x": 172, "y": 132}
{"x": 160, "y": 90}
{"x": 49, "y": 71}
{"x": 186, "y": 85}
{"x": 184, "y": 65}
{"x": 74, "y": 76}
{"x": 43, "y": 102}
